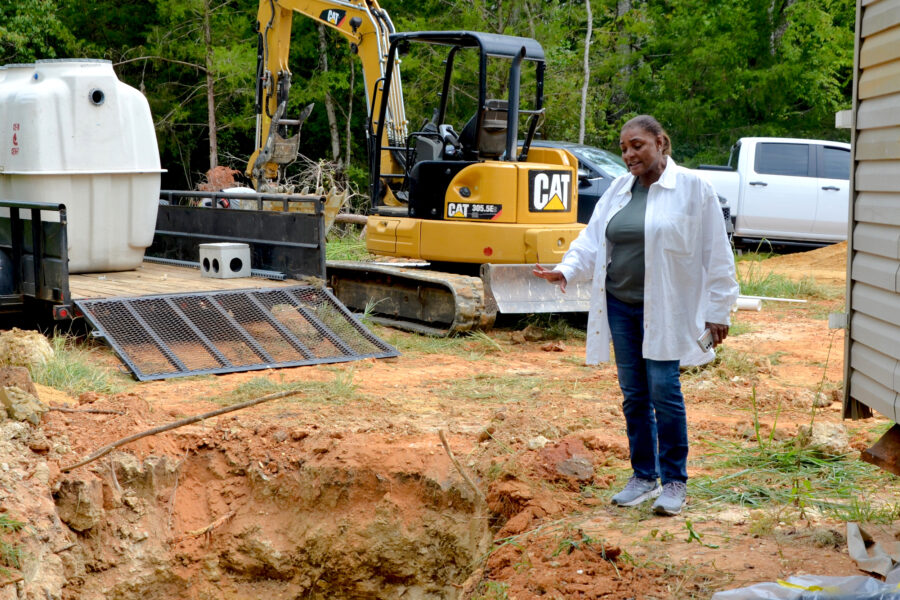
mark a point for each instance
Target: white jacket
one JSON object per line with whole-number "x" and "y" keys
{"x": 689, "y": 276}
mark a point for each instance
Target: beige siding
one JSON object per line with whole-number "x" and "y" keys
{"x": 878, "y": 176}
{"x": 882, "y": 304}
{"x": 879, "y": 16}
{"x": 878, "y": 144}
{"x": 880, "y": 240}
{"x": 878, "y": 112}
{"x": 874, "y": 395}
{"x": 875, "y": 271}
{"x": 880, "y": 48}
{"x": 874, "y": 207}
{"x": 872, "y": 367}
{"x": 880, "y": 80}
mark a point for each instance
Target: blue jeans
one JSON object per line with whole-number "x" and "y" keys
{"x": 653, "y": 405}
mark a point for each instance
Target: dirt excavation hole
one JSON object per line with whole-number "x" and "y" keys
{"x": 228, "y": 521}
{"x": 247, "y": 509}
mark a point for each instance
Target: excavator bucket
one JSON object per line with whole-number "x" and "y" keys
{"x": 885, "y": 453}
{"x": 515, "y": 289}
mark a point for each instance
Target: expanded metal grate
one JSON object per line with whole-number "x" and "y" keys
{"x": 174, "y": 335}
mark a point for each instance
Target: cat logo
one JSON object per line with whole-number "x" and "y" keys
{"x": 333, "y": 16}
{"x": 550, "y": 191}
{"x": 458, "y": 210}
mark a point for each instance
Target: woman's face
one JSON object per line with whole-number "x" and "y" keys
{"x": 642, "y": 151}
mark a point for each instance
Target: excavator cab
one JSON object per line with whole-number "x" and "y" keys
{"x": 431, "y": 157}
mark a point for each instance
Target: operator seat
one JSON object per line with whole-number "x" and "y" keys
{"x": 429, "y": 179}
{"x": 492, "y": 141}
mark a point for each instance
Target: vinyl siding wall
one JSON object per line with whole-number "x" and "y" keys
{"x": 872, "y": 352}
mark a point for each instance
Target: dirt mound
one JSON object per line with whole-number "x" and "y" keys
{"x": 570, "y": 564}
{"x": 827, "y": 265}
{"x": 832, "y": 257}
{"x": 22, "y": 348}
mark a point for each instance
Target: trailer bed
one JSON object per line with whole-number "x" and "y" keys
{"x": 154, "y": 278}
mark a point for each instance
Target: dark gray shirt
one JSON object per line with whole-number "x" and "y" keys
{"x": 625, "y": 274}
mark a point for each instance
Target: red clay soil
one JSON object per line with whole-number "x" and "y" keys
{"x": 301, "y": 496}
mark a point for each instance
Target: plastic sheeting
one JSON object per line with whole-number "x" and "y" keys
{"x": 815, "y": 587}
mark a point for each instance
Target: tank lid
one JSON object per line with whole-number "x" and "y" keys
{"x": 45, "y": 61}
{"x": 19, "y": 66}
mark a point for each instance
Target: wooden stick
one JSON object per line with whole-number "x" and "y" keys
{"x": 162, "y": 428}
{"x": 349, "y": 218}
{"x": 459, "y": 468}
{"x": 210, "y": 527}
{"x": 93, "y": 411}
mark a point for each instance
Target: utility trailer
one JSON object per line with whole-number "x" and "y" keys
{"x": 165, "y": 318}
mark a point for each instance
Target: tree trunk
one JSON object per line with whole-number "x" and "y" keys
{"x": 329, "y": 102}
{"x": 779, "y": 23}
{"x": 210, "y": 90}
{"x": 530, "y": 16}
{"x": 623, "y": 45}
{"x": 587, "y": 71}
{"x": 350, "y": 108}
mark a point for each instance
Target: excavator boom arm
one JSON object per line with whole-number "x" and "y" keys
{"x": 366, "y": 27}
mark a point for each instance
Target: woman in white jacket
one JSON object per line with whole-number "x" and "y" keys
{"x": 662, "y": 271}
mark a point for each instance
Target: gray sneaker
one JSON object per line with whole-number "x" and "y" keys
{"x": 637, "y": 490}
{"x": 672, "y": 499}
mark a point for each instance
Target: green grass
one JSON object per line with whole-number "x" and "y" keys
{"x": 778, "y": 286}
{"x": 728, "y": 363}
{"x": 10, "y": 554}
{"x": 472, "y": 345}
{"x": 754, "y": 280}
{"x": 759, "y": 255}
{"x": 491, "y": 387}
{"x": 492, "y": 590}
{"x": 773, "y": 475}
{"x": 739, "y": 328}
{"x": 553, "y": 327}
{"x": 255, "y": 388}
{"x": 347, "y": 247}
{"x": 339, "y": 390}
{"x": 74, "y": 369}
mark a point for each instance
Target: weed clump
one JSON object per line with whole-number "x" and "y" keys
{"x": 73, "y": 369}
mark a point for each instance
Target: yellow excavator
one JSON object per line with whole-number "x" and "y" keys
{"x": 477, "y": 207}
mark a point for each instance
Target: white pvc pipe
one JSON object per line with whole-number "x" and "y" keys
{"x": 774, "y": 299}
{"x": 744, "y": 303}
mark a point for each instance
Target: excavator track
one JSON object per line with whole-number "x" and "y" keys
{"x": 430, "y": 302}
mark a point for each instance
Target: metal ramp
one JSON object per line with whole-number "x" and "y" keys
{"x": 175, "y": 335}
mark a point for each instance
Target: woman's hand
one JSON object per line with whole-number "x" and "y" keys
{"x": 554, "y": 277}
{"x": 719, "y": 332}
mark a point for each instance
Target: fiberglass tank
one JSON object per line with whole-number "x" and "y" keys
{"x": 73, "y": 134}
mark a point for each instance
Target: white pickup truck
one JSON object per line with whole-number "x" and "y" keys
{"x": 784, "y": 190}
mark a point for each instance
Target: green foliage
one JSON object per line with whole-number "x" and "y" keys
{"x": 711, "y": 72}
{"x": 33, "y": 29}
{"x": 693, "y": 536}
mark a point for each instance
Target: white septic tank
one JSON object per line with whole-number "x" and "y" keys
{"x": 73, "y": 134}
